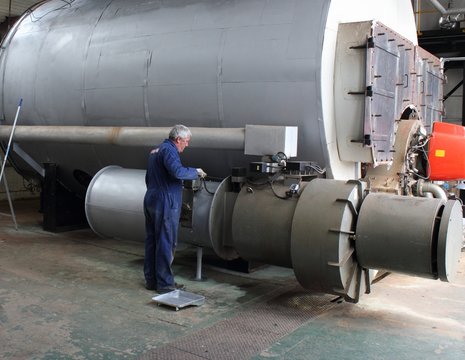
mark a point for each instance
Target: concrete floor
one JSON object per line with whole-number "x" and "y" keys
{"x": 76, "y": 296}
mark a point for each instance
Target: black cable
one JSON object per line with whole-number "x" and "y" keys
{"x": 269, "y": 182}
{"x": 204, "y": 184}
{"x": 215, "y": 178}
{"x": 420, "y": 150}
{"x": 276, "y": 194}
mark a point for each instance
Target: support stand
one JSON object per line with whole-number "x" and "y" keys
{"x": 62, "y": 209}
{"x": 198, "y": 273}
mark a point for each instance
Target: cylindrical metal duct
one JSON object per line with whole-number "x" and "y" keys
{"x": 262, "y": 225}
{"x": 144, "y": 63}
{"x": 450, "y": 241}
{"x": 402, "y": 234}
{"x": 115, "y": 209}
{"x": 115, "y": 203}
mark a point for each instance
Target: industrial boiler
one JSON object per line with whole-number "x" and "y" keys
{"x": 318, "y": 123}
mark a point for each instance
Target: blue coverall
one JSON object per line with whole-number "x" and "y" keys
{"x": 162, "y": 207}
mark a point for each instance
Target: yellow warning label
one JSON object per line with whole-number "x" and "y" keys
{"x": 440, "y": 153}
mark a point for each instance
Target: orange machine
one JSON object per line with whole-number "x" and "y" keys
{"x": 447, "y": 152}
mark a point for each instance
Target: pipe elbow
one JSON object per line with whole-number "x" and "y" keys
{"x": 434, "y": 189}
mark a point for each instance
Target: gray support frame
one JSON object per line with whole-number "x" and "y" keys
{"x": 28, "y": 159}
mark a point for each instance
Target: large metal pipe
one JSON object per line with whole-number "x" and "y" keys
{"x": 445, "y": 11}
{"x": 202, "y": 138}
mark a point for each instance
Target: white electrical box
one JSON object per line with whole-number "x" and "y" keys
{"x": 269, "y": 140}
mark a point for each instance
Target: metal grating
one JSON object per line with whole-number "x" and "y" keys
{"x": 249, "y": 332}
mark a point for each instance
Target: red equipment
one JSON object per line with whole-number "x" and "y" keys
{"x": 447, "y": 152}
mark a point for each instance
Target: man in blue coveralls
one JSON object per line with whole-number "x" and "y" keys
{"x": 162, "y": 207}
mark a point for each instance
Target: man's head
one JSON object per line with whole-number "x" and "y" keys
{"x": 181, "y": 136}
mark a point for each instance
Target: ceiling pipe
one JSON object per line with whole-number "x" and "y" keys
{"x": 450, "y": 59}
{"x": 459, "y": 58}
{"x": 443, "y": 11}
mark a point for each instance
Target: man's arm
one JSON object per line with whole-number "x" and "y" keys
{"x": 174, "y": 167}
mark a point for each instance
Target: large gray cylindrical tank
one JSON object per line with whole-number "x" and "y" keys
{"x": 198, "y": 62}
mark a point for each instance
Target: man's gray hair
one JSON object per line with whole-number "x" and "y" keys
{"x": 179, "y": 131}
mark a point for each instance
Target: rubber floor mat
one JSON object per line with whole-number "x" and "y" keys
{"x": 249, "y": 332}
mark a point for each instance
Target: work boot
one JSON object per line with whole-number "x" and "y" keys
{"x": 179, "y": 286}
{"x": 171, "y": 288}
{"x": 150, "y": 286}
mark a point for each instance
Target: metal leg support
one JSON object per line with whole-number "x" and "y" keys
{"x": 198, "y": 273}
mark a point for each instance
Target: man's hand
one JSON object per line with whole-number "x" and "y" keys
{"x": 201, "y": 173}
